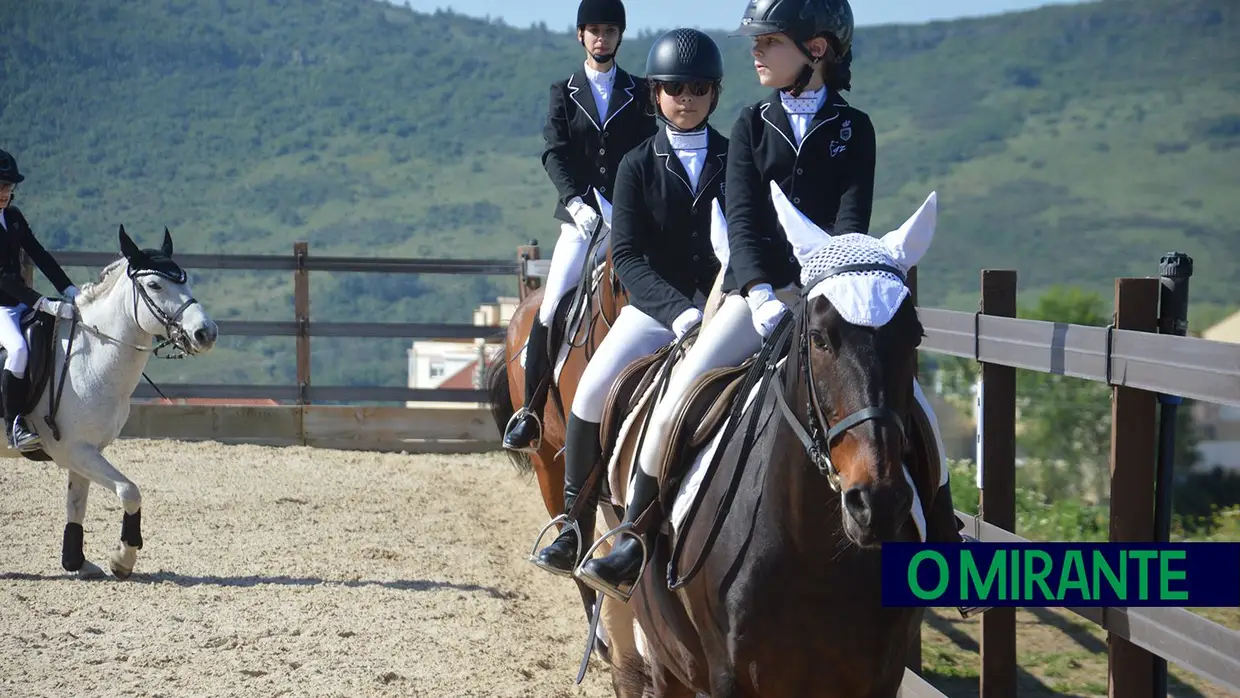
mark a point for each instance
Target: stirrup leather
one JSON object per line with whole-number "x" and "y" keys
{"x": 624, "y": 529}
{"x": 533, "y": 558}
{"x": 536, "y": 442}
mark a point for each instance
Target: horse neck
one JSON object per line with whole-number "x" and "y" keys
{"x": 113, "y": 315}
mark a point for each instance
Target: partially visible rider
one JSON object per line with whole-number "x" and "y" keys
{"x": 16, "y": 297}
{"x": 595, "y": 116}
{"x": 661, "y": 249}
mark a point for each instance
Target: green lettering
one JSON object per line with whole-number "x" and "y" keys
{"x": 1118, "y": 584}
{"x": 1015, "y": 586}
{"x": 1143, "y": 571}
{"x": 998, "y": 565}
{"x": 1166, "y": 575}
{"x": 915, "y": 586}
{"x": 1038, "y": 577}
{"x": 1073, "y": 566}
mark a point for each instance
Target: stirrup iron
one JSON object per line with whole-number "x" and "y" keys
{"x": 533, "y": 558}
{"x": 536, "y": 443}
{"x": 624, "y": 529}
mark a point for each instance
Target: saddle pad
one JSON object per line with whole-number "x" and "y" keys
{"x": 689, "y": 486}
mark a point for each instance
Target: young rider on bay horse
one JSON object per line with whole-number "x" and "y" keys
{"x": 661, "y": 249}
{"x": 15, "y": 297}
{"x": 595, "y": 116}
{"x": 821, "y": 152}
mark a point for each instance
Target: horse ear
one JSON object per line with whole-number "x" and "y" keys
{"x": 806, "y": 238}
{"x": 167, "y": 246}
{"x": 719, "y": 232}
{"x": 129, "y": 248}
{"x": 604, "y": 206}
{"x": 909, "y": 242}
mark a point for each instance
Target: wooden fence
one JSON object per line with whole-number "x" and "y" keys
{"x": 1129, "y": 356}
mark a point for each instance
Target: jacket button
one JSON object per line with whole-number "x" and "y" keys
{"x": 602, "y": 151}
{"x": 796, "y": 199}
{"x": 695, "y": 258}
{"x": 695, "y": 235}
{"x": 792, "y": 259}
{"x": 602, "y": 170}
{"x": 800, "y": 171}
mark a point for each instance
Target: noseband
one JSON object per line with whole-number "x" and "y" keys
{"x": 821, "y": 434}
{"x": 174, "y": 334}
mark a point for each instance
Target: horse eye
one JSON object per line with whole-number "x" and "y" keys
{"x": 153, "y": 285}
{"x": 816, "y": 337}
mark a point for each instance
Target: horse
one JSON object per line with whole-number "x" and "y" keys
{"x": 100, "y": 358}
{"x": 599, "y": 297}
{"x": 783, "y": 597}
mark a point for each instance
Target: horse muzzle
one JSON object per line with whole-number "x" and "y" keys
{"x": 875, "y": 513}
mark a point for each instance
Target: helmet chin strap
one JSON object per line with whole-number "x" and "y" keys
{"x": 807, "y": 72}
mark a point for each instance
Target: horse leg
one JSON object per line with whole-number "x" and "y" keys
{"x": 89, "y": 462}
{"x": 72, "y": 558}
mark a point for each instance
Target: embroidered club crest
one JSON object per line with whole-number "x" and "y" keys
{"x": 846, "y": 130}
{"x": 837, "y": 148}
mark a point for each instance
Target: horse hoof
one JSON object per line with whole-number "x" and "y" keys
{"x": 89, "y": 570}
{"x": 123, "y": 560}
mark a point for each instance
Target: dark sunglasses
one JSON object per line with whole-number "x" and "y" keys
{"x": 697, "y": 89}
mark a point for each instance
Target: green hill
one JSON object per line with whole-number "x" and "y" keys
{"x": 1073, "y": 143}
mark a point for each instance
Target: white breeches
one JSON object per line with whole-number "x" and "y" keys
{"x": 634, "y": 335}
{"x": 566, "y": 260}
{"x": 13, "y": 341}
{"x": 727, "y": 340}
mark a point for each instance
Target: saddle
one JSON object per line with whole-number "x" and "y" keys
{"x": 39, "y": 329}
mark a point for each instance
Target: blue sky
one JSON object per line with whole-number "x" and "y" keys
{"x": 718, "y": 14}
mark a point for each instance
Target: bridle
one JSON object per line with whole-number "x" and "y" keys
{"x": 174, "y": 334}
{"x": 821, "y": 434}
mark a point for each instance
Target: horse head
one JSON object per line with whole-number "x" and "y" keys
{"x": 163, "y": 304}
{"x": 855, "y": 338}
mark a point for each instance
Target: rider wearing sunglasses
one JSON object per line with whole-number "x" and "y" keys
{"x": 15, "y": 297}
{"x": 661, "y": 246}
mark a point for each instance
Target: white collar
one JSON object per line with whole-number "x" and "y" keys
{"x": 807, "y": 103}
{"x": 3, "y": 223}
{"x": 687, "y": 140}
{"x": 597, "y": 77}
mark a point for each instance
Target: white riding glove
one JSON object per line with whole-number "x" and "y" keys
{"x": 686, "y": 321}
{"x": 585, "y": 217}
{"x": 765, "y": 308}
{"x": 72, "y": 293}
{"x": 51, "y": 307}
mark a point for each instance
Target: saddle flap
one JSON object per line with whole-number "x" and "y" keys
{"x": 696, "y": 417}
{"x": 625, "y": 391}
{"x": 39, "y": 330}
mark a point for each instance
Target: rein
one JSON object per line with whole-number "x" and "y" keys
{"x": 816, "y": 446}
{"x": 175, "y": 337}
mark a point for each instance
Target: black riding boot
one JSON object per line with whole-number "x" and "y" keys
{"x": 526, "y": 429}
{"x": 18, "y": 433}
{"x": 617, "y": 573}
{"x": 582, "y": 452}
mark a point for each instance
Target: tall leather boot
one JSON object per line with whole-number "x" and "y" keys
{"x": 525, "y": 430}
{"x": 18, "y": 433}
{"x": 582, "y": 453}
{"x": 618, "y": 573}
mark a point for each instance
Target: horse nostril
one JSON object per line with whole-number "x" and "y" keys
{"x": 857, "y": 502}
{"x": 202, "y": 336}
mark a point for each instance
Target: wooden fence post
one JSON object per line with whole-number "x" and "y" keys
{"x": 1130, "y": 669}
{"x": 526, "y": 283}
{"x": 913, "y": 659}
{"x": 997, "y": 501}
{"x": 301, "y": 308}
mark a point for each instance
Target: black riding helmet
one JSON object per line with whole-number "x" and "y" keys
{"x": 8, "y": 169}
{"x": 685, "y": 56}
{"x": 803, "y": 20}
{"x": 601, "y": 12}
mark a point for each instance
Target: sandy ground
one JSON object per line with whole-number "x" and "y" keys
{"x": 289, "y": 572}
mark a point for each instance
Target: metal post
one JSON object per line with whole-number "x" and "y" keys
{"x": 1174, "y": 270}
{"x": 301, "y": 308}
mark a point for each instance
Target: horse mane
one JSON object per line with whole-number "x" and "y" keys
{"x": 107, "y": 279}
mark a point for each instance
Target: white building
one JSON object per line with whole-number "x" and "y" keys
{"x": 458, "y": 363}
{"x": 1218, "y": 426}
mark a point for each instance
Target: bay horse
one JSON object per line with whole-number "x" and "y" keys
{"x": 90, "y": 369}
{"x": 782, "y": 594}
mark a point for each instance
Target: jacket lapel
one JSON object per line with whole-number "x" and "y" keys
{"x": 671, "y": 163}
{"x": 715, "y": 164}
{"x": 621, "y": 94}
{"x": 579, "y": 91}
{"x": 776, "y": 117}
{"x": 827, "y": 113}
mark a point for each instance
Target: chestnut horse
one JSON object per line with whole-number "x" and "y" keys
{"x": 505, "y": 382}
{"x": 778, "y": 590}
